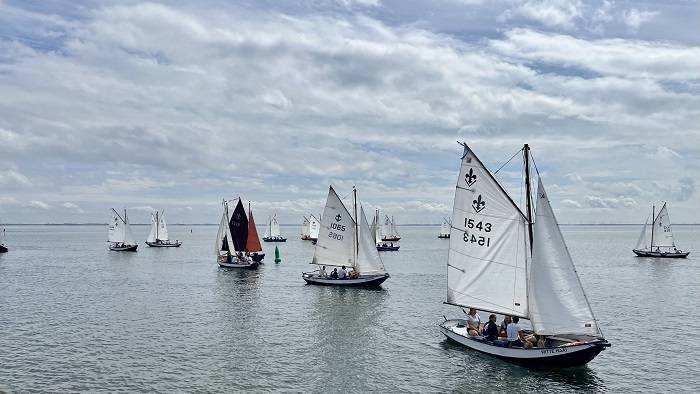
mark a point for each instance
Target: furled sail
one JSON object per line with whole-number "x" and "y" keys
{"x": 368, "y": 260}
{"x": 557, "y": 302}
{"x": 253, "y": 242}
{"x": 661, "y": 232}
{"x": 314, "y": 227}
{"x": 162, "y": 227}
{"x": 488, "y": 244}
{"x": 116, "y": 228}
{"x": 239, "y": 227}
{"x": 336, "y": 241}
{"x": 154, "y": 228}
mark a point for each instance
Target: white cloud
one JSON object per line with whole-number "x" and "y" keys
{"x": 38, "y": 205}
{"x": 571, "y": 203}
{"x": 73, "y": 206}
{"x": 551, "y": 13}
{"x": 634, "y": 18}
{"x": 12, "y": 178}
{"x": 609, "y": 202}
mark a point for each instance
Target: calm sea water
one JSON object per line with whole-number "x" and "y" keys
{"x": 76, "y": 317}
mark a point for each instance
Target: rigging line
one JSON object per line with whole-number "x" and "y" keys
{"x": 508, "y": 161}
{"x": 532, "y": 157}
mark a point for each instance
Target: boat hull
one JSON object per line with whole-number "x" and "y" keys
{"x": 669, "y": 255}
{"x": 553, "y": 357}
{"x": 274, "y": 239}
{"x": 3, "y": 249}
{"x": 391, "y": 239}
{"x": 166, "y": 244}
{"x": 444, "y": 236}
{"x": 362, "y": 281}
{"x": 123, "y": 248}
{"x": 387, "y": 248}
{"x": 246, "y": 266}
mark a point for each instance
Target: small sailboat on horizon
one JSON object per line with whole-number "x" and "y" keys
{"x": 120, "y": 237}
{"x": 445, "y": 229}
{"x": 3, "y": 240}
{"x": 382, "y": 246}
{"x": 662, "y": 243}
{"x": 346, "y": 240}
{"x": 506, "y": 262}
{"x": 158, "y": 236}
{"x": 232, "y": 237}
{"x": 389, "y": 231}
{"x": 252, "y": 245}
{"x": 272, "y": 232}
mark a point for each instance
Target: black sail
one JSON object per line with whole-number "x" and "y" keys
{"x": 239, "y": 227}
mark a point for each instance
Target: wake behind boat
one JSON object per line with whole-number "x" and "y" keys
{"x": 231, "y": 239}
{"x": 501, "y": 262}
{"x": 662, "y": 243}
{"x": 346, "y": 241}
{"x": 120, "y": 237}
{"x": 158, "y": 236}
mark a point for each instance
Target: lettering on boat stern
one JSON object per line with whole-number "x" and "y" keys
{"x": 555, "y": 350}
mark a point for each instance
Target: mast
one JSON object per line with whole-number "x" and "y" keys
{"x": 526, "y": 156}
{"x": 357, "y": 228}
{"x": 653, "y": 221}
{"x": 157, "y": 225}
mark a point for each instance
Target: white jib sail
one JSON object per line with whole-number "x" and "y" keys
{"x": 154, "y": 227}
{"x": 336, "y": 240}
{"x": 314, "y": 227}
{"x": 394, "y": 231}
{"x": 305, "y": 227}
{"x": 128, "y": 236}
{"x": 221, "y": 234}
{"x": 275, "y": 228}
{"x": 486, "y": 266}
{"x": 375, "y": 229}
{"x": 558, "y": 304}
{"x": 116, "y": 228}
{"x": 268, "y": 228}
{"x": 663, "y": 237}
{"x": 385, "y": 229}
{"x": 642, "y": 240}
{"x": 162, "y": 228}
{"x": 368, "y": 260}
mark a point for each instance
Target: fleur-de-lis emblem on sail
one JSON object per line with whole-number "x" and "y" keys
{"x": 470, "y": 177}
{"x": 478, "y": 204}
{"x": 338, "y": 218}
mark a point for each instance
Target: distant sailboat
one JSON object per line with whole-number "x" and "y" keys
{"x": 305, "y": 229}
{"x": 501, "y": 262}
{"x": 158, "y": 236}
{"x": 252, "y": 245}
{"x": 346, "y": 240}
{"x": 445, "y": 229}
{"x": 272, "y": 232}
{"x": 120, "y": 238}
{"x": 662, "y": 243}
{"x": 389, "y": 231}
{"x": 314, "y": 228}
{"x": 231, "y": 239}
{"x": 3, "y": 240}
{"x": 382, "y": 246}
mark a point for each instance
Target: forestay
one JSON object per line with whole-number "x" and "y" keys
{"x": 661, "y": 231}
{"x": 557, "y": 302}
{"x": 368, "y": 260}
{"x": 488, "y": 245}
{"x": 336, "y": 240}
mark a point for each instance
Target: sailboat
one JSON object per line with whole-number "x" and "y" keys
{"x": 119, "y": 234}
{"x": 504, "y": 261}
{"x": 231, "y": 239}
{"x": 3, "y": 240}
{"x": 376, "y": 231}
{"x": 390, "y": 233}
{"x": 662, "y": 243}
{"x": 445, "y": 229}
{"x": 314, "y": 228}
{"x": 252, "y": 244}
{"x": 346, "y": 240}
{"x": 158, "y": 236}
{"x": 305, "y": 229}
{"x": 272, "y": 232}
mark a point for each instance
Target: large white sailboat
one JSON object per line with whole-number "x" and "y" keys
{"x": 158, "y": 236}
{"x": 504, "y": 261}
{"x": 120, "y": 237}
{"x": 346, "y": 240}
{"x": 231, "y": 239}
{"x": 445, "y": 229}
{"x": 662, "y": 243}
{"x": 272, "y": 232}
{"x": 382, "y": 246}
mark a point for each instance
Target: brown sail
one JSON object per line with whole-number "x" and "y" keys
{"x": 253, "y": 242}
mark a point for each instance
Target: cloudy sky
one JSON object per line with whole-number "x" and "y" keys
{"x": 179, "y": 104}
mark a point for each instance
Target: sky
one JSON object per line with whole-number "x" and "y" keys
{"x": 177, "y": 105}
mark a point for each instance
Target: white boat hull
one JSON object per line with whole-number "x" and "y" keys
{"x": 565, "y": 356}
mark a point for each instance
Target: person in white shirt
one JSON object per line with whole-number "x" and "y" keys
{"x": 323, "y": 273}
{"x": 342, "y": 273}
{"x": 516, "y": 336}
{"x": 473, "y": 322}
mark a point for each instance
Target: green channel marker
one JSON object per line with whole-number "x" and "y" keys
{"x": 277, "y": 255}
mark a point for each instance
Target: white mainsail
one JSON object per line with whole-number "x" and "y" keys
{"x": 642, "y": 240}
{"x": 116, "y": 228}
{"x": 661, "y": 230}
{"x": 305, "y": 231}
{"x": 162, "y": 227}
{"x": 224, "y": 232}
{"x": 368, "y": 260}
{"x": 154, "y": 228}
{"x": 314, "y": 227}
{"x": 275, "y": 227}
{"x": 268, "y": 228}
{"x": 445, "y": 228}
{"x": 557, "y": 302}
{"x": 128, "y": 236}
{"x": 336, "y": 241}
{"x": 394, "y": 231}
{"x": 487, "y": 260}
{"x": 376, "y": 231}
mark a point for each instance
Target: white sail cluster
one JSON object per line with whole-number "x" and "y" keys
{"x": 159, "y": 230}
{"x": 445, "y": 228}
{"x": 119, "y": 230}
{"x": 224, "y": 235}
{"x": 273, "y": 228}
{"x": 661, "y": 233}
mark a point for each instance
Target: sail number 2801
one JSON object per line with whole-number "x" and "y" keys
{"x": 480, "y": 226}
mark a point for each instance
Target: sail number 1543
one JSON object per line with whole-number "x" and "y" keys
{"x": 480, "y": 226}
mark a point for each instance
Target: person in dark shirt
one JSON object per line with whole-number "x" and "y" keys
{"x": 491, "y": 329}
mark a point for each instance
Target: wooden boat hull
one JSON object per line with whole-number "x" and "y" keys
{"x": 123, "y": 248}
{"x": 257, "y": 257}
{"x": 3, "y": 249}
{"x": 247, "y": 266}
{"x": 381, "y": 248}
{"x": 161, "y": 244}
{"x": 669, "y": 255}
{"x": 575, "y": 355}
{"x": 274, "y": 239}
{"x": 444, "y": 236}
{"x": 391, "y": 239}
{"x": 362, "y": 281}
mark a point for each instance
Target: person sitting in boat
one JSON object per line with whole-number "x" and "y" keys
{"x": 322, "y": 273}
{"x": 502, "y": 330}
{"x": 334, "y": 274}
{"x": 353, "y": 274}
{"x": 473, "y": 322}
{"x": 343, "y": 273}
{"x": 517, "y": 337}
{"x": 491, "y": 329}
